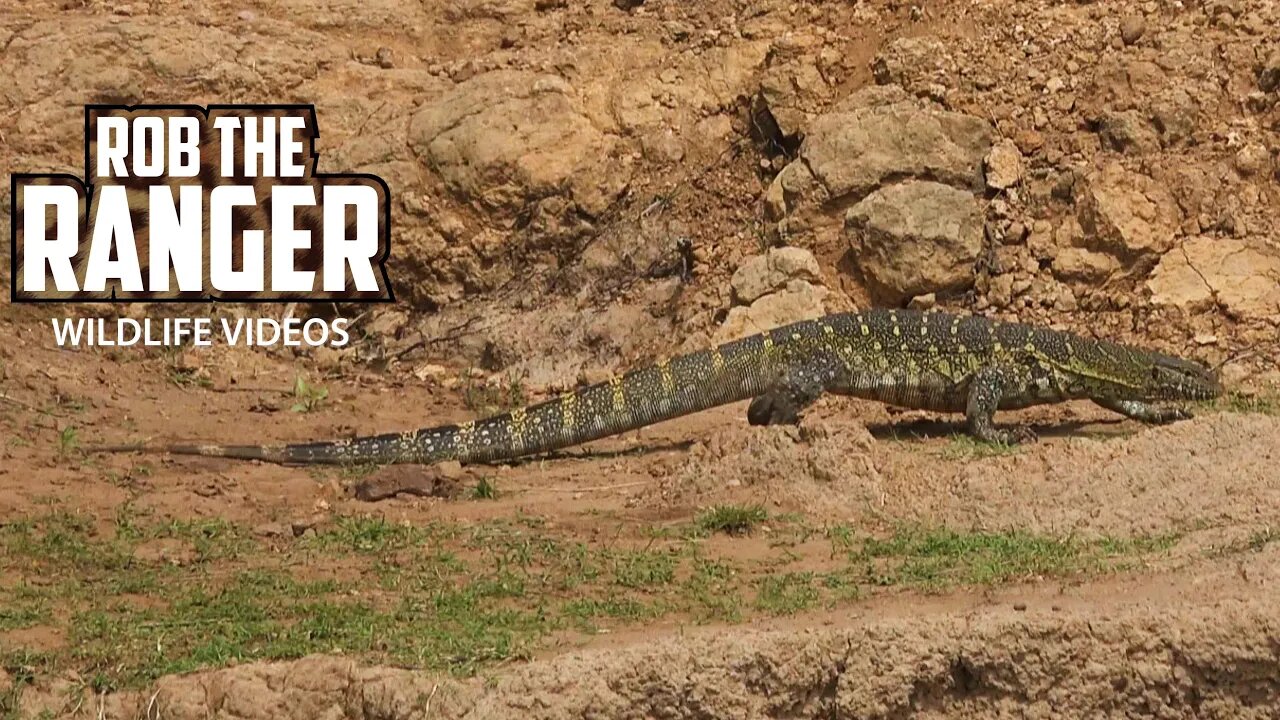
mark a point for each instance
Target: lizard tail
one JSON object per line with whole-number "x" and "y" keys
{"x": 683, "y": 385}
{"x": 373, "y": 449}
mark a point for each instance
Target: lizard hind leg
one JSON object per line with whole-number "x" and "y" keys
{"x": 782, "y": 405}
{"x": 988, "y": 387}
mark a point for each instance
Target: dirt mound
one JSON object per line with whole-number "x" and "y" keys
{"x": 1207, "y": 472}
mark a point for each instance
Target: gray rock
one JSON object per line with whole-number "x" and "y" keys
{"x": 915, "y": 238}
{"x": 1175, "y": 116}
{"x": 1132, "y": 27}
{"x": 1128, "y": 132}
{"x": 918, "y": 64}
{"x": 1269, "y": 73}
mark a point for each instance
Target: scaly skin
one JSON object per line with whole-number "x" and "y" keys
{"x": 930, "y": 361}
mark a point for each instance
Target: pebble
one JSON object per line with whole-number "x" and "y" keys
{"x": 1132, "y": 28}
{"x": 1252, "y": 159}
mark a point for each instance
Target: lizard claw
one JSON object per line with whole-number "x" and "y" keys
{"x": 1017, "y": 435}
{"x": 1021, "y": 434}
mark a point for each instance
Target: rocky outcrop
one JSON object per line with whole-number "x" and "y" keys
{"x": 1240, "y": 276}
{"x": 503, "y": 138}
{"x": 1127, "y": 215}
{"x": 910, "y": 171}
{"x": 915, "y": 238}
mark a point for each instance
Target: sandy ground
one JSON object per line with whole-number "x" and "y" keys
{"x": 1187, "y": 633}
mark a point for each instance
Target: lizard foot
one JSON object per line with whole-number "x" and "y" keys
{"x": 1017, "y": 435}
{"x": 1147, "y": 413}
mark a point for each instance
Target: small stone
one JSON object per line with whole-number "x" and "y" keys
{"x": 1016, "y": 233}
{"x": 1205, "y": 338}
{"x": 247, "y": 16}
{"x": 1004, "y": 165}
{"x": 1252, "y": 159}
{"x": 1020, "y": 607}
{"x": 1131, "y": 28}
{"x": 923, "y": 302}
{"x": 1028, "y": 141}
{"x": 432, "y": 371}
{"x": 449, "y": 469}
{"x": 1000, "y": 294}
{"x": 302, "y": 525}
{"x": 1128, "y": 131}
{"x": 272, "y": 529}
{"x": 1269, "y": 74}
{"x": 1079, "y": 264}
{"x": 384, "y": 58}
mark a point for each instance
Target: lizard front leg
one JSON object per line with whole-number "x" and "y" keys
{"x": 1145, "y": 412}
{"x": 987, "y": 388}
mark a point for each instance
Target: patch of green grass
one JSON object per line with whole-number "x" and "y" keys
{"x": 643, "y": 568}
{"x": 68, "y": 441}
{"x": 585, "y": 610}
{"x": 935, "y": 558}
{"x": 371, "y": 535}
{"x": 189, "y": 377}
{"x": 23, "y": 615}
{"x": 1253, "y": 403}
{"x": 731, "y": 519}
{"x": 484, "y": 399}
{"x": 441, "y": 596}
{"x": 484, "y": 490}
{"x": 786, "y": 594}
{"x": 307, "y": 397}
{"x": 1254, "y": 543}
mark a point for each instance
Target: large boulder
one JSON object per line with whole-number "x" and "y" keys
{"x": 777, "y": 288}
{"x": 915, "y": 238}
{"x": 879, "y": 135}
{"x": 799, "y": 300}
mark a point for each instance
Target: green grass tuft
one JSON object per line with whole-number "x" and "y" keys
{"x": 731, "y": 519}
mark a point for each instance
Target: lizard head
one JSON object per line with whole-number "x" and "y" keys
{"x": 1171, "y": 378}
{"x": 1126, "y": 374}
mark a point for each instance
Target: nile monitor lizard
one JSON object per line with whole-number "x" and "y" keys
{"x": 930, "y": 361}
